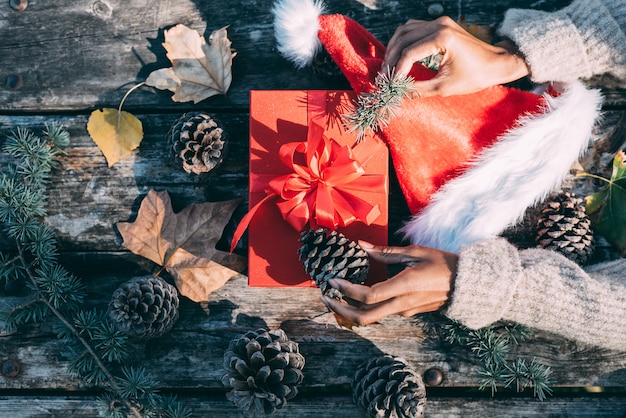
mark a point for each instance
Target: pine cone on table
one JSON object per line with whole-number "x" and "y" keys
{"x": 564, "y": 226}
{"x": 197, "y": 142}
{"x": 263, "y": 369}
{"x": 386, "y": 386}
{"x": 144, "y": 307}
{"x": 329, "y": 254}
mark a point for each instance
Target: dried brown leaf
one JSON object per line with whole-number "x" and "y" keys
{"x": 184, "y": 242}
{"x": 196, "y": 278}
{"x": 199, "y": 69}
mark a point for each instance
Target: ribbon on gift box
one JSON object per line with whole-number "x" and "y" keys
{"x": 322, "y": 187}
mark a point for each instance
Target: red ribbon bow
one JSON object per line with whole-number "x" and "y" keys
{"x": 322, "y": 188}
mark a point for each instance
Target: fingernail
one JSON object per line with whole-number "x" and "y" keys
{"x": 333, "y": 283}
{"x": 366, "y": 245}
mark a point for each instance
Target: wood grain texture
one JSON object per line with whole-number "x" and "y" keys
{"x": 76, "y": 55}
{"x": 338, "y": 405}
{"x": 190, "y": 355}
{"x": 87, "y": 198}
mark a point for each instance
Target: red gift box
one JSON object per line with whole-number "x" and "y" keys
{"x": 284, "y": 127}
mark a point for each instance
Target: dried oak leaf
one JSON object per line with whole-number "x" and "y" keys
{"x": 184, "y": 242}
{"x": 606, "y": 208}
{"x": 115, "y": 132}
{"x": 199, "y": 70}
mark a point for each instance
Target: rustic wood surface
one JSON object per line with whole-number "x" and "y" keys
{"x": 75, "y": 56}
{"x": 304, "y": 406}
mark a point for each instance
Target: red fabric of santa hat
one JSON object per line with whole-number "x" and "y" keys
{"x": 468, "y": 165}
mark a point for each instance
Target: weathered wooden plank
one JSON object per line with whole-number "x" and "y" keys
{"x": 87, "y": 198}
{"x": 304, "y": 406}
{"x": 83, "y": 54}
{"x": 74, "y": 56}
{"x": 190, "y": 356}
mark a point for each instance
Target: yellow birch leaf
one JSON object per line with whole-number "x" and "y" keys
{"x": 116, "y": 133}
{"x": 199, "y": 69}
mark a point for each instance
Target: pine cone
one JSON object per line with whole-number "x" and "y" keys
{"x": 197, "y": 142}
{"x": 564, "y": 226}
{"x": 386, "y": 386}
{"x": 264, "y": 370}
{"x": 328, "y": 255}
{"x": 144, "y": 307}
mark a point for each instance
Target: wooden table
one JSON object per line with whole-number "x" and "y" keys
{"x": 60, "y": 60}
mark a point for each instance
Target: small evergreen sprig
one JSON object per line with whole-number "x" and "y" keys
{"x": 491, "y": 346}
{"x": 374, "y": 109}
{"x": 93, "y": 346}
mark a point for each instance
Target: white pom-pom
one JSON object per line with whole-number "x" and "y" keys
{"x": 296, "y": 26}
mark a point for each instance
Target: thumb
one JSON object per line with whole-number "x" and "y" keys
{"x": 394, "y": 255}
{"x": 429, "y": 88}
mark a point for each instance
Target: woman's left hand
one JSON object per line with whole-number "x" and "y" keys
{"x": 423, "y": 286}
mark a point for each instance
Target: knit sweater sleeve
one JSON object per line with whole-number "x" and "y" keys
{"x": 540, "y": 289}
{"x": 585, "y": 39}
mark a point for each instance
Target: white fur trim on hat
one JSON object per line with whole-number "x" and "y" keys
{"x": 296, "y": 26}
{"x": 521, "y": 169}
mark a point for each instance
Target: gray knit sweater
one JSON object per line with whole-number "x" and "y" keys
{"x": 541, "y": 288}
{"x": 585, "y": 39}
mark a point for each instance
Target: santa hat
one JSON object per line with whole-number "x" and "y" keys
{"x": 468, "y": 165}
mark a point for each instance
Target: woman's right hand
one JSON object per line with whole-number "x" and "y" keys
{"x": 467, "y": 64}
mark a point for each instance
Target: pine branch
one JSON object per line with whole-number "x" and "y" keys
{"x": 111, "y": 342}
{"x": 22, "y": 203}
{"x": 539, "y": 375}
{"x": 31, "y": 311}
{"x": 491, "y": 376}
{"x": 374, "y": 109}
{"x": 68, "y": 325}
{"x": 491, "y": 346}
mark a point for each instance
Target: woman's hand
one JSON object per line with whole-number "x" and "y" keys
{"x": 467, "y": 63}
{"x": 421, "y": 287}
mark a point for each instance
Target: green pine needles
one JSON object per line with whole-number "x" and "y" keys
{"x": 491, "y": 346}
{"x": 95, "y": 350}
{"x": 374, "y": 109}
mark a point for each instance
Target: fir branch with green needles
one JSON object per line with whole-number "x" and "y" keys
{"x": 491, "y": 346}
{"x": 374, "y": 109}
{"x": 94, "y": 348}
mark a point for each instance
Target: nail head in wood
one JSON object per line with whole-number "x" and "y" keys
{"x": 435, "y": 10}
{"x": 433, "y": 377}
{"x": 18, "y": 5}
{"x": 10, "y": 368}
{"x": 14, "y": 81}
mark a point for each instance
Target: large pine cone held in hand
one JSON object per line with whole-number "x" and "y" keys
{"x": 329, "y": 254}
{"x": 386, "y": 386}
{"x": 197, "y": 142}
{"x": 144, "y": 307}
{"x": 263, "y": 369}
